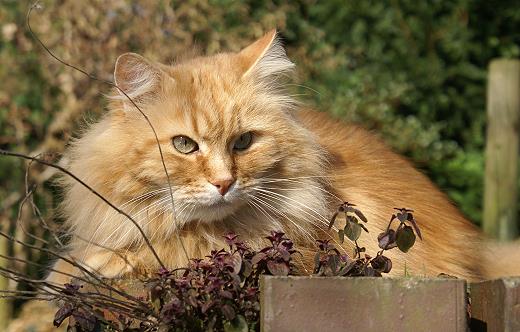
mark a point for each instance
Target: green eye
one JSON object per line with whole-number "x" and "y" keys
{"x": 244, "y": 141}
{"x": 184, "y": 144}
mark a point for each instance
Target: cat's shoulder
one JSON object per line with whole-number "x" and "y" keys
{"x": 332, "y": 131}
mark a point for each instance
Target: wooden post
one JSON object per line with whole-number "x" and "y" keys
{"x": 501, "y": 179}
{"x": 362, "y": 304}
{"x": 495, "y": 305}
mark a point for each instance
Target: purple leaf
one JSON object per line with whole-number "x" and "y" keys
{"x": 206, "y": 306}
{"x": 386, "y": 240}
{"x": 85, "y": 320}
{"x": 278, "y": 268}
{"x": 405, "y": 238}
{"x": 230, "y": 238}
{"x": 71, "y": 289}
{"x": 347, "y": 268}
{"x": 228, "y": 311}
{"x": 236, "y": 261}
{"x": 258, "y": 257}
{"x": 226, "y": 294}
{"x": 286, "y": 256}
{"x": 416, "y": 228}
{"x": 333, "y": 263}
{"x": 382, "y": 264}
{"x": 62, "y": 314}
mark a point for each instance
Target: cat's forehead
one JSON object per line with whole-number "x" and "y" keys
{"x": 208, "y": 100}
{"x": 213, "y": 123}
{"x": 208, "y": 93}
{"x": 203, "y": 109}
{"x": 215, "y": 68}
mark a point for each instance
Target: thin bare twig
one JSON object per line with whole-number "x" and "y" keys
{"x": 92, "y": 190}
{"x": 95, "y": 78}
{"x": 19, "y": 217}
{"x": 79, "y": 266}
{"x": 36, "y": 210}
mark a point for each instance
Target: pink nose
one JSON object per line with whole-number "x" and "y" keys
{"x": 223, "y": 185}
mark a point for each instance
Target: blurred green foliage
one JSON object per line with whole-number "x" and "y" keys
{"x": 415, "y": 71}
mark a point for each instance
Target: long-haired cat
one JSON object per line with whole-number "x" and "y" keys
{"x": 243, "y": 156}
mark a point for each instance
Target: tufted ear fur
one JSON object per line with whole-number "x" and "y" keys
{"x": 265, "y": 58}
{"x": 139, "y": 78}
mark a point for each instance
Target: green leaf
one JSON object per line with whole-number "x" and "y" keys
{"x": 352, "y": 231}
{"x": 405, "y": 238}
{"x": 341, "y": 235}
{"x": 239, "y": 324}
{"x": 316, "y": 260}
{"x": 360, "y": 215}
{"x": 333, "y": 263}
{"x": 333, "y": 219}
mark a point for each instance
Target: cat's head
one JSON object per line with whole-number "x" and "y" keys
{"x": 228, "y": 135}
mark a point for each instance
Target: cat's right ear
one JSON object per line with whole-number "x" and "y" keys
{"x": 137, "y": 77}
{"x": 265, "y": 58}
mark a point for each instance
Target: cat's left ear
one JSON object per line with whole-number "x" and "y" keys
{"x": 265, "y": 58}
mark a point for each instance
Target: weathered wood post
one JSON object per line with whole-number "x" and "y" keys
{"x": 495, "y": 305}
{"x": 362, "y": 304}
{"x": 501, "y": 179}
{"x": 5, "y": 304}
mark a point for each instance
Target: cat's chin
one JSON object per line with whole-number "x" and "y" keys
{"x": 213, "y": 212}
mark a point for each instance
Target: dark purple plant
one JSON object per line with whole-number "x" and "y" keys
{"x": 218, "y": 293}
{"x": 329, "y": 262}
{"x": 221, "y": 291}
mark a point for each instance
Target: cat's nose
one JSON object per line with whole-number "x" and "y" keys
{"x": 223, "y": 185}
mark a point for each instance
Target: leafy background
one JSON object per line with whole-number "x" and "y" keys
{"x": 413, "y": 71}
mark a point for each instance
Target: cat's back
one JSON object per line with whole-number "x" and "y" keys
{"x": 348, "y": 142}
{"x": 365, "y": 171}
{"x": 361, "y": 161}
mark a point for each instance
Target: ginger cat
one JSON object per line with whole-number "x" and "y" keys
{"x": 242, "y": 156}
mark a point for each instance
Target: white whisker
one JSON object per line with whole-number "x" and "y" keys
{"x": 275, "y": 210}
{"x": 135, "y": 216}
{"x": 112, "y": 214}
{"x": 302, "y": 207}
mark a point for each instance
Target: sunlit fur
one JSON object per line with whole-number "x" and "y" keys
{"x": 299, "y": 167}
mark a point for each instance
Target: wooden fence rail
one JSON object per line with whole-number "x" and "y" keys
{"x": 495, "y": 305}
{"x": 503, "y": 120}
{"x": 358, "y": 304}
{"x": 385, "y": 304}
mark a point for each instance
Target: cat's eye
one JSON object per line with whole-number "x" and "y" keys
{"x": 243, "y": 141}
{"x": 184, "y": 144}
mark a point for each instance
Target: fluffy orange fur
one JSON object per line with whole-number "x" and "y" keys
{"x": 298, "y": 167}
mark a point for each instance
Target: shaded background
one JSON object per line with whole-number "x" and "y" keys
{"x": 414, "y": 71}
